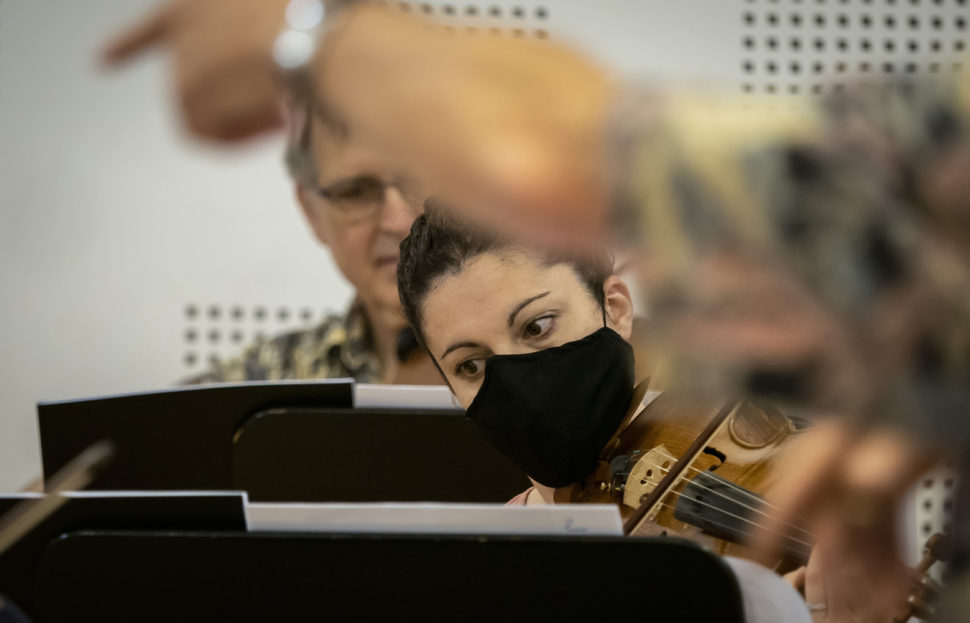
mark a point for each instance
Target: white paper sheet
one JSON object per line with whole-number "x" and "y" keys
{"x": 404, "y": 397}
{"x": 433, "y": 518}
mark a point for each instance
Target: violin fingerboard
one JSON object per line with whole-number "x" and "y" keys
{"x": 729, "y": 512}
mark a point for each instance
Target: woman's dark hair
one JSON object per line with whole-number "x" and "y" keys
{"x": 439, "y": 245}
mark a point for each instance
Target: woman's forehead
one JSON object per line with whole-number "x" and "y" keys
{"x": 498, "y": 274}
{"x": 481, "y": 294}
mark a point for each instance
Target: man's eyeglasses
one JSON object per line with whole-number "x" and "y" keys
{"x": 362, "y": 198}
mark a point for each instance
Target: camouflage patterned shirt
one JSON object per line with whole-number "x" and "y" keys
{"x": 341, "y": 346}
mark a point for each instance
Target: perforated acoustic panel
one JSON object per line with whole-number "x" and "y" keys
{"x": 791, "y": 47}
{"x": 215, "y": 332}
{"x": 493, "y": 18}
{"x": 933, "y": 501}
{"x": 813, "y": 46}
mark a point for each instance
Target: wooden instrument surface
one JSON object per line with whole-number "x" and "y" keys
{"x": 716, "y": 499}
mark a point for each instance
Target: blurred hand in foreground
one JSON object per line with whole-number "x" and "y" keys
{"x": 845, "y": 487}
{"x": 224, "y": 77}
{"x": 508, "y": 130}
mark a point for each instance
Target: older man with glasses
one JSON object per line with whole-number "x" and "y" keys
{"x": 360, "y": 210}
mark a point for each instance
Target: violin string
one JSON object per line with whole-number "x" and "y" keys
{"x": 739, "y": 517}
{"x": 758, "y": 499}
{"x": 720, "y": 510}
{"x": 683, "y": 532}
{"x": 790, "y": 524}
{"x": 740, "y": 489}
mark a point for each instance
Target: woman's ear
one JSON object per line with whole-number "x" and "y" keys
{"x": 619, "y": 306}
{"x": 304, "y": 196}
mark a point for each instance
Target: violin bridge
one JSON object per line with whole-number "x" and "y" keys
{"x": 646, "y": 475}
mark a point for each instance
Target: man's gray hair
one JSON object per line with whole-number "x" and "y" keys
{"x": 303, "y": 108}
{"x": 298, "y": 156}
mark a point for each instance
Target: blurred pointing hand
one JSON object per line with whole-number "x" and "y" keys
{"x": 224, "y": 76}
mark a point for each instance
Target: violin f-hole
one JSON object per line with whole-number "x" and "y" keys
{"x": 717, "y": 454}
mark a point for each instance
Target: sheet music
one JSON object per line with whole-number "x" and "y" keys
{"x": 367, "y": 395}
{"x": 434, "y": 518}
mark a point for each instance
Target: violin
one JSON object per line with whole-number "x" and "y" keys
{"x": 696, "y": 470}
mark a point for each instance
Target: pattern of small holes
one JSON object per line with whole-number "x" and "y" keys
{"x": 214, "y": 332}
{"x": 492, "y": 18}
{"x": 934, "y": 505}
{"x": 799, "y": 46}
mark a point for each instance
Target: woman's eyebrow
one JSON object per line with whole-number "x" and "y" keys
{"x": 456, "y": 346}
{"x": 522, "y": 304}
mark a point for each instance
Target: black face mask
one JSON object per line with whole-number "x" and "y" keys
{"x": 551, "y": 412}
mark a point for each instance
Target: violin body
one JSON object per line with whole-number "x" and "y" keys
{"x": 725, "y": 455}
{"x": 700, "y": 471}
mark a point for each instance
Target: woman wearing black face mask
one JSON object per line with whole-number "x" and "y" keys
{"x": 535, "y": 346}
{"x": 560, "y": 373}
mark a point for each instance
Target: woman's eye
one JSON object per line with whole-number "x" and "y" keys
{"x": 469, "y": 368}
{"x": 538, "y": 327}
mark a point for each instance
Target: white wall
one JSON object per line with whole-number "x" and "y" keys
{"x": 111, "y": 221}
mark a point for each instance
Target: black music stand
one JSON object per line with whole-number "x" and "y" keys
{"x": 369, "y": 455}
{"x": 172, "y": 439}
{"x": 281, "y": 441}
{"x": 215, "y": 511}
{"x": 204, "y": 576}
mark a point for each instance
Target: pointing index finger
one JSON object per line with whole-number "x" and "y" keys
{"x": 138, "y": 38}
